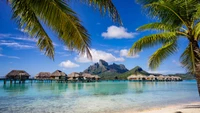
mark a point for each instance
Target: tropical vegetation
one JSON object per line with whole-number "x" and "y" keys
{"x": 175, "y": 19}
{"x": 35, "y": 15}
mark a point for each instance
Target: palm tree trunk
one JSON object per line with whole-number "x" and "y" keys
{"x": 198, "y": 81}
{"x": 196, "y": 52}
{"x": 197, "y": 74}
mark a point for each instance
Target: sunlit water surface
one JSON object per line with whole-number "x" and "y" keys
{"x": 96, "y": 97}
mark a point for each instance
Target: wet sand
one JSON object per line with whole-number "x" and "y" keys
{"x": 179, "y": 108}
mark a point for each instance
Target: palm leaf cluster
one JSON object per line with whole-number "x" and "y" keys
{"x": 35, "y": 15}
{"x": 176, "y": 19}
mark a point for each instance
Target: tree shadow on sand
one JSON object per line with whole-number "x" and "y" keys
{"x": 189, "y": 107}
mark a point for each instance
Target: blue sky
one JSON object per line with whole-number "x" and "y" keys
{"x": 109, "y": 42}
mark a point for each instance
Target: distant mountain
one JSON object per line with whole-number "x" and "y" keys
{"x": 113, "y": 71}
{"x": 136, "y": 70}
{"x": 104, "y": 70}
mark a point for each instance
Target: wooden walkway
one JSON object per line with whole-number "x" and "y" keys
{"x": 31, "y": 80}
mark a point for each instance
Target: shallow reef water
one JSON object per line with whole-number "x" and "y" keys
{"x": 94, "y": 97}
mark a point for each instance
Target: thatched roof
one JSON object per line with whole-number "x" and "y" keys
{"x": 14, "y": 73}
{"x": 176, "y": 78}
{"x": 74, "y": 74}
{"x": 151, "y": 76}
{"x": 168, "y": 78}
{"x": 70, "y": 78}
{"x": 87, "y": 75}
{"x": 132, "y": 77}
{"x": 96, "y": 76}
{"x": 58, "y": 73}
{"x": 161, "y": 77}
{"x": 142, "y": 76}
{"x": 43, "y": 75}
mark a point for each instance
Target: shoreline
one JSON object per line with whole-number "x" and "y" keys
{"x": 190, "y": 107}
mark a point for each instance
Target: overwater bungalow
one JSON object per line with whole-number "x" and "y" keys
{"x": 160, "y": 78}
{"x": 43, "y": 76}
{"x": 137, "y": 77}
{"x": 133, "y": 77}
{"x": 151, "y": 78}
{"x": 154, "y": 78}
{"x": 142, "y": 77}
{"x": 88, "y": 77}
{"x": 175, "y": 78}
{"x": 97, "y": 77}
{"x": 75, "y": 76}
{"x": 168, "y": 78}
{"x": 17, "y": 75}
{"x": 178, "y": 78}
{"x": 70, "y": 79}
{"x": 58, "y": 75}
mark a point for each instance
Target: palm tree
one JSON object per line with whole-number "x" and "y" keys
{"x": 176, "y": 19}
{"x": 34, "y": 15}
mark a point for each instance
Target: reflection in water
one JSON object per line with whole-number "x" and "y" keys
{"x": 15, "y": 89}
{"x": 93, "y": 97}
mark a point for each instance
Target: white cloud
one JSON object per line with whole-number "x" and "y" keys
{"x": 66, "y": 48}
{"x": 62, "y": 54}
{"x": 124, "y": 53}
{"x": 25, "y": 39}
{"x": 16, "y": 45}
{"x": 68, "y": 64}
{"x": 4, "y": 35}
{"x": 54, "y": 44}
{"x": 117, "y": 33}
{"x": 98, "y": 54}
{"x": 177, "y": 63}
{"x": 113, "y": 50}
{"x": 14, "y": 57}
{"x": 23, "y": 30}
{"x": 18, "y": 37}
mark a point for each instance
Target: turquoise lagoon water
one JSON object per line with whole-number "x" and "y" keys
{"x": 96, "y": 97}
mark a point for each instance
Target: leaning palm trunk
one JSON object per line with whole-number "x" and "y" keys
{"x": 198, "y": 78}
{"x": 177, "y": 19}
{"x": 196, "y": 52}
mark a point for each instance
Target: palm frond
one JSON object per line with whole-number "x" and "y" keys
{"x": 151, "y": 40}
{"x": 105, "y": 6}
{"x": 144, "y": 2}
{"x": 157, "y": 26}
{"x": 165, "y": 51}
{"x": 28, "y": 19}
{"x": 187, "y": 59}
{"x": 197, "y": 14}
{"x": 34, "y": 15}
{"x": 166, "y": 11}
{"x": 66, "y": 24}
{"x": 196, "y": 31}
{"x": 59, "y": 17}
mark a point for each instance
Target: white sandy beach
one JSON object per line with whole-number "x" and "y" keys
{"x": 181, "y": 108}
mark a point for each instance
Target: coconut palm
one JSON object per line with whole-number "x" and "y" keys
{"x": 176, "y": 19}
{"x": 35, "y": 15}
